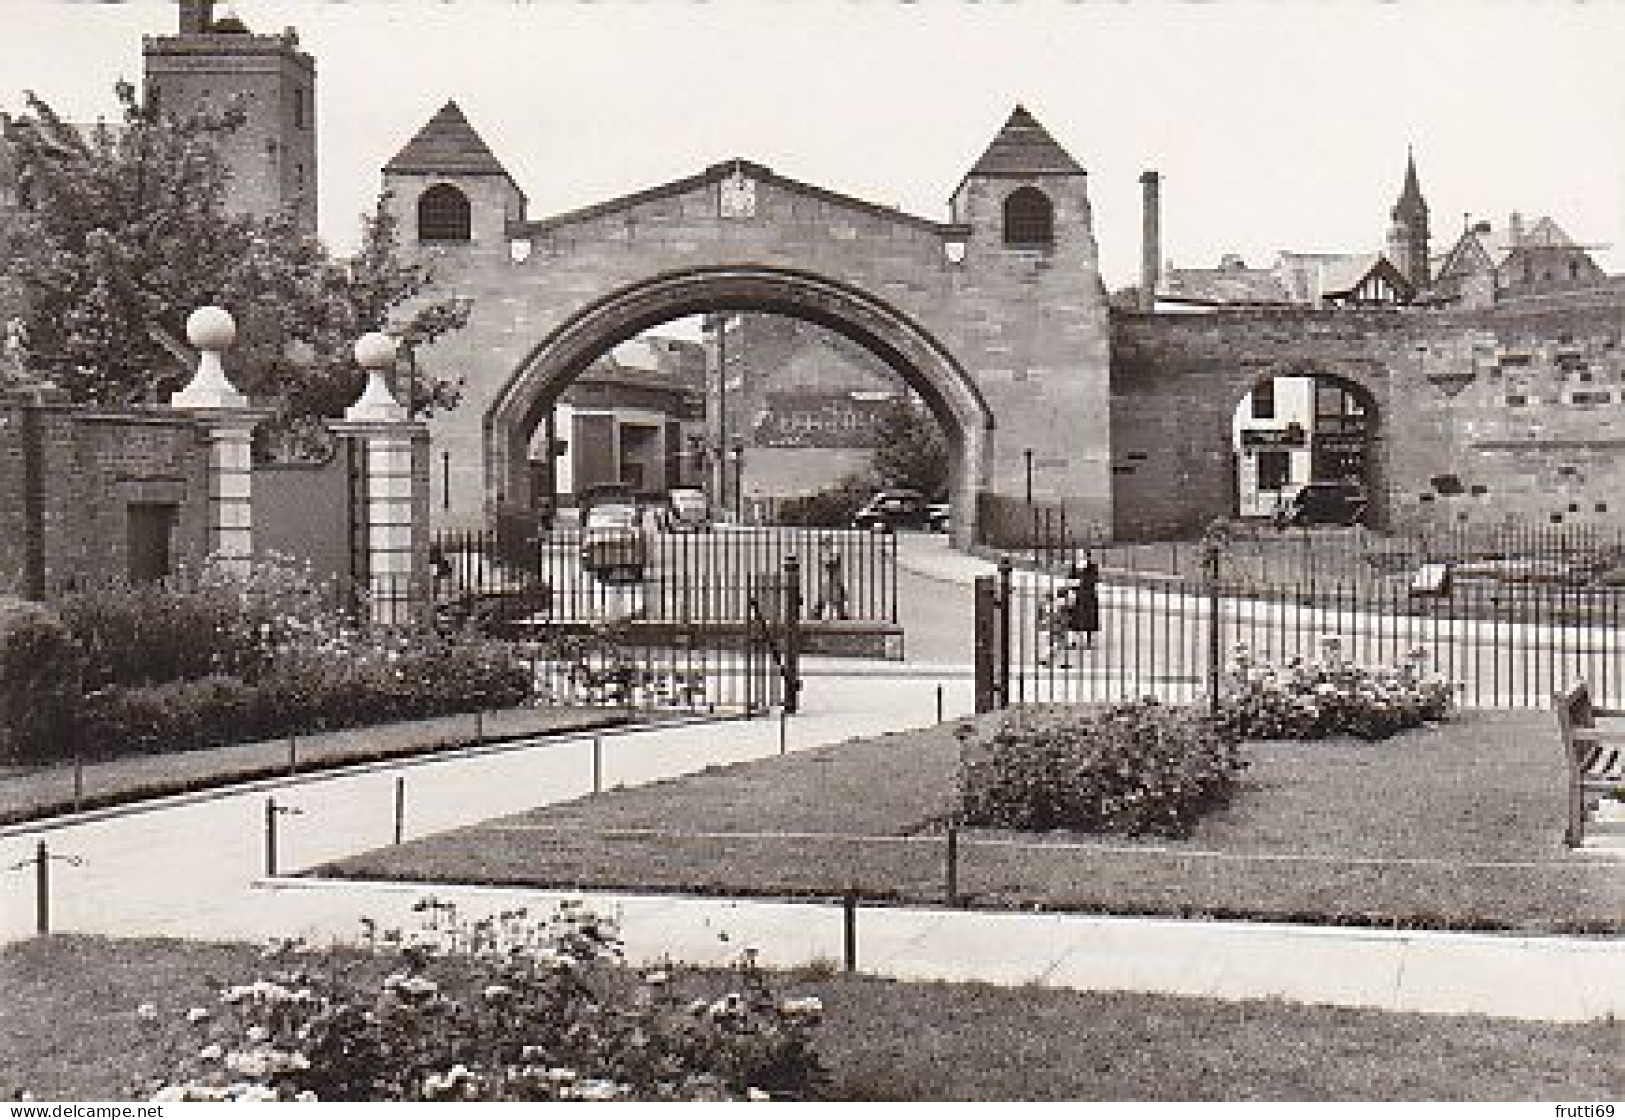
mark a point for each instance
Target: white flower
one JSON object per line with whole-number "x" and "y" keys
{"x": 147, "y": 1011}
{"x": 258, "y": 1034}
{"x": 497, "y": 991}
{"x": 805, "y": 1005}
{"x": 211, "y": 1052}
{"x": 755, "y": 1094}
{"x": 307, "y": 1097}
{"x": 655, "y": 979}
{"x": 197, "y": 1014}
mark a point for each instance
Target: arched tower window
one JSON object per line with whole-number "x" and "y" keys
{"x": 443, "y": 214}
{"x": 1029, "y": 219}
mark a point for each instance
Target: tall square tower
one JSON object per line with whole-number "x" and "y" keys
{"x": 215, "y": 58}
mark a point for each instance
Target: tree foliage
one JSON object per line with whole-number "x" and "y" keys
{"x": 912, "y": 452}
{"x": 125, "y": 230}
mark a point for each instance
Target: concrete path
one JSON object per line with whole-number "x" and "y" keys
{"x": 195, "y": 868}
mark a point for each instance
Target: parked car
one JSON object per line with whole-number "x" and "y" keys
{"x": 1323, "y": 503}
{"x": 613, "y": 546}
{"x": 895, "y": 509}
{"x": 687, "y": 511}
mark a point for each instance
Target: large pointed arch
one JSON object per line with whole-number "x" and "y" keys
{"x": 923, "y": 362}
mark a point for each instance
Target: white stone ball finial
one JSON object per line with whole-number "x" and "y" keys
{"x": 375, "y": 353}
{"x": 212, "y": 330}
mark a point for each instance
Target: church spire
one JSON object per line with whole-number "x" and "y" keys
{"x": 1408, "y": 235}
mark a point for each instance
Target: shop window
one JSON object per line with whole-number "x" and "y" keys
{"x": 1274, "y": 470}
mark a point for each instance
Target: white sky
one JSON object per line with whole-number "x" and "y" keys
{"x": 1275, "y": 126}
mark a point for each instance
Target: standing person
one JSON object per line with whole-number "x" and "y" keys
{"x": 831, "y": 580}
{"x": 1085, "y": 595}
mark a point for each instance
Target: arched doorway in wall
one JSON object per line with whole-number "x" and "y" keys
{"x": 1306, "y": 426}
{"x": 530, "y": 401}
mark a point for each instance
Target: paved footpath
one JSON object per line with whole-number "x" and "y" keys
{"x": 194, "y": 868}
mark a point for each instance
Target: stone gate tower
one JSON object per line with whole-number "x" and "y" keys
{"x": 215, "y": 58}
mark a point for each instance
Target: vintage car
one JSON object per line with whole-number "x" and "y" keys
{"x": 687, "y": 511}
{"x": 1323, "y": 503}
{"x": 900, "y": 509}
{"x": 613, "y": 545}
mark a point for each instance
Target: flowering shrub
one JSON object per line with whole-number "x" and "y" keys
{"x": 40, "y": 670}
{"x": 1136, "y": 768}
{"x": 224, "y": 654}
{"x": 505, "y": 1008}
{"x": 1330, "y": 696}
{"x": 216, "y": 618}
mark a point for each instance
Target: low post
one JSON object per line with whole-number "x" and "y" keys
{"x": 952, "y": 889}
{"x": 293, "y": 751}
{"x": 939, "y": 703}
{"x": 598, "y": 764}
{"x": 42, "y": 889}
{"x": 400, "y": 809}
{"x": 784, "y": 733}
{"x": 270, "y": 837}
{"x": 78, "y": 779}
{"x": 849, "y": 929}
{"x": 479, "y": 727}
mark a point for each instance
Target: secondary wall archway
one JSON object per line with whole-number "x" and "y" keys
{"x": 921, "y": 360}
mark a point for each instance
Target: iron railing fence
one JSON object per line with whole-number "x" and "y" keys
{"x": 565, "y": 577}
{"x": 1502, "y": 645}
{"x": 711, "y": 659}
{"x": 1258, "y": 553}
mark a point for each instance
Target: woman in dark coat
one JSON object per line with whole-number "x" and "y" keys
{"x": 1085, "y": 580}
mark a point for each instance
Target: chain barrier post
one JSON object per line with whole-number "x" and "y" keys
{"x": 42, "y": 889}
{"x": 849, "y": 928}
{"x": 952, "y": 889}
{"x": 270, "y": 837}
{"x": 400, "y": 809}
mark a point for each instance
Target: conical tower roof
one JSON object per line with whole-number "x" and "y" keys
{"x": 1024, "y": 148}
{"x": 1410, "y": 195}
{"x": 447, "y": 145}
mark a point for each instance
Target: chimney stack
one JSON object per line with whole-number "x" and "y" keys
{"x": 1150, "y": 240}
{"x": 1515, "y": 229}
{"x": 197, "y": 16}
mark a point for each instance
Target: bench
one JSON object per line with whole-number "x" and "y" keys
{"x": 1595, "y": 756}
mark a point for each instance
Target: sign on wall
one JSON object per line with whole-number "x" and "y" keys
{"x": 820, "y": 419}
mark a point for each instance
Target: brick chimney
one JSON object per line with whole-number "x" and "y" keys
{"x": 1515, "y": 229}
{"x": 197, "y": 16}
{"x": 1150, "y": 239}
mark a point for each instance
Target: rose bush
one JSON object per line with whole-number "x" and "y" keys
{"x": 1136, "y": 768}
{"x": 1330, "y": 695}
{"x": 505, "y": 1008}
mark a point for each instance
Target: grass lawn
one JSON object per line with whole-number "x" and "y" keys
{"x": 1458, "y": 826}
{"x": 33, "y": 792}
{"x": 68, "y": 1030}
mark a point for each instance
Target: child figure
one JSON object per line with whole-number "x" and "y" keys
{"x": 1055, "y": 624}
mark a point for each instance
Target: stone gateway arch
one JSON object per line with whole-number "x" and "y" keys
{"x": 997, "y": 318}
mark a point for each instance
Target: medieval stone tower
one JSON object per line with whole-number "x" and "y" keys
{"x": 1408, "y": 236}
{"x": 214, "y": 58}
